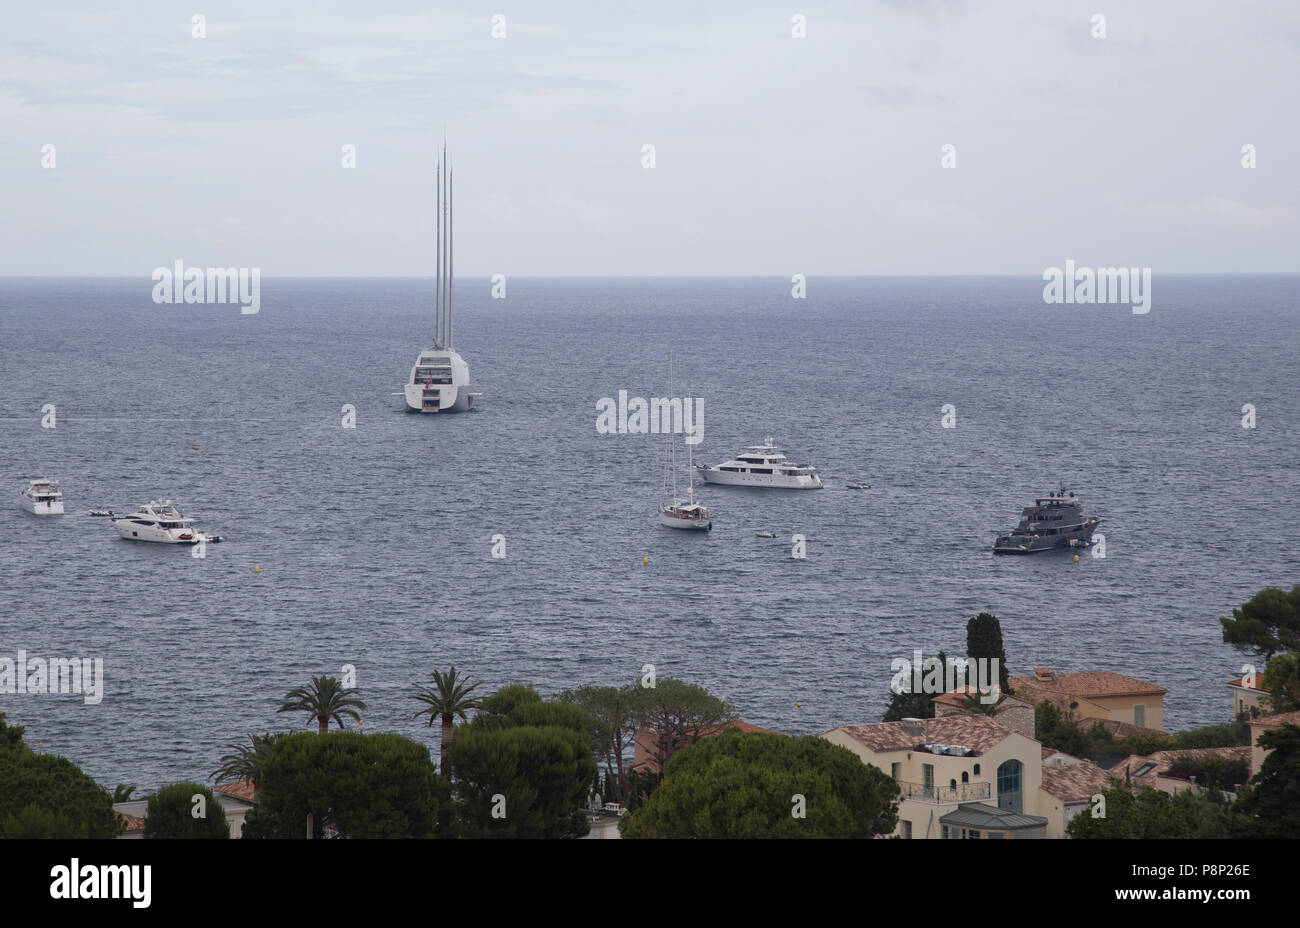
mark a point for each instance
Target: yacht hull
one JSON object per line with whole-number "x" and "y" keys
{"x": 443, "y": 387}
{"x": 772, "y": 481}
{"x": 690, "y": 525}
{"x": 42, "y": 507}
{"x": 1080, "y": 537}
{"x": 168, "y": 536}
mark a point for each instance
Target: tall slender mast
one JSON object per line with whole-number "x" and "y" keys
{"x": 437, "y": 299}
{"x": 672, "y": 448}
{"x": 451, "y": 247}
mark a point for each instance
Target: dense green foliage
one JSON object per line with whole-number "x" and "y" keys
{"x": 1219, "y": 773}
{"x": 1266, "y": 624}
{"x": 984, "y": 642}
{"x": 910, "y": 705}
{"x": 172, "y": 813}
{"x": 1273, "y": 799}
{"x": 1146, "y": 813}
{"x": 43, "y": 791}
{"x": 523, "y": 767}
{"x": 1084, "y": 738}
{"x": 1282, "y": 677}
{"x": 745, "y": 785}
{"x": 352, "y": 785}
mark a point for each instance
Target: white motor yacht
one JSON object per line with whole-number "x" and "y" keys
{"x": 160, "y": 522}
{"x": 439, "y": 379}
{"x": 42, "y": 497}
{"x": 763, "y": 466}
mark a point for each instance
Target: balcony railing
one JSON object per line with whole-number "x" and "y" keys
{"x": 965, "y": 792}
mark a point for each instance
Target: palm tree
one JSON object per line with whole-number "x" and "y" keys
{"x": 450, "y": 697}
{"x": 244, "y": 762}
{"x": 325, "y": 699}
{"x": 123, "y": 791}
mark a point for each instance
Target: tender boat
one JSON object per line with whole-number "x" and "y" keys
{"x": 439, "y": 379}
{"x": 1052, "y": 522}
{"x": 674, "y": 511}
{"x": 102, "y": 512}
{"x": 42, "y": 497}
{"x": 763, "y": 466}
{"x": 161, "y": 522}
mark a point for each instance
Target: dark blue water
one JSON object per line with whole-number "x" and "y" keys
{"x": 374, "y": 543}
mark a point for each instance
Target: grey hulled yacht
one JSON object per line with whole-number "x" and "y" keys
{"x": 1052, "y": 522}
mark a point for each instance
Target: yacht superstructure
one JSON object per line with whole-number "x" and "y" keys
{"x": 42, "y": 497}
{"x": 763, "y": 466}
{"x": 161, "y": 522}
{"x": 1052, "y": 522}
{"x": 439, "y": 379}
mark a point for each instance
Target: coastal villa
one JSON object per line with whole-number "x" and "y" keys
{"x": 648, "y": 746}
{"x": 1096, "y": 694}
{"x": 947, "y": 765}
{"x": 1247, "y": 694}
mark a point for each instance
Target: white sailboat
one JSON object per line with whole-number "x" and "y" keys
{"x": 674, "y": 511}
{"x": 439, "y": 379}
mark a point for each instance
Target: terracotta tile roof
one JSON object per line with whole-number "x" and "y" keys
{"x": 1276, "y": 721}
{"x": 240, "y": 789}
{"x": 743, "y": 726}
{"x": 957, "y": 697}
{"x": 1260, "y": 684}
{"x": 1087, "y": 683}
{"x": 977, "y": 732}
{"x": 1075, "y": 782}
{"x": 1159, "y": 762}
{"x": 134, "y": 823}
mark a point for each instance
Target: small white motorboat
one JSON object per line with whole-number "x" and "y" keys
{"x": 42, "y": 497}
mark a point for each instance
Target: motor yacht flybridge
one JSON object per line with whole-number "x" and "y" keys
{"x": 42, "y": 497}
{"x": 1052, "y": 522}
{"x": 160, "y": 522}
{"x": 763, "y": 466}
{"x": 440, "y": 377}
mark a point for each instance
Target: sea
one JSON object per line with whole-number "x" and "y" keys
{"x": 369, "y": 550}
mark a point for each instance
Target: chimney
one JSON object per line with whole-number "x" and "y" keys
{"x": 914, "y": 727}
{"x": 1044, "y": 674}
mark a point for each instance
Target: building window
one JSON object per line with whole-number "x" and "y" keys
{"x": 965, "y": 777}
{"x": 1009, "y": 786}
{"x": 1140, "y": 715}
{"x": 893, "y": 770}
{"x": 907, "y": 829}
{"x": 927, "y": 780}
{"x": 977, "y": 770}
{"x": 970, "y": 833}
{"x": 945, "y": 832}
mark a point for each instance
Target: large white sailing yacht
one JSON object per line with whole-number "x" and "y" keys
{"x": 674, "y": 511}
{"x": 440, "y": 377}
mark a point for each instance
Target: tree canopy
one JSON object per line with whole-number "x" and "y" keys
{"x": 172, "y": 813}
{"x": 984, "y": 642}
{"x": 352, "y": 785}
{"x": 40, "y": 791}
{"x": 760, "y": 785}
{"x": 1148, "y": 813}
{"x": 1266, "y": 624}
{"x": 1274, "y": 795}
{"x": 522, "y": 767}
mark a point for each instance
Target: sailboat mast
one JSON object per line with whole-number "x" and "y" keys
{"x": 437, "y": 284}
{"x": 451, "y": 251}
{"x": 672, "y": 448}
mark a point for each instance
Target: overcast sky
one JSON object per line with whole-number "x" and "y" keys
{"x": 774, "y": 155}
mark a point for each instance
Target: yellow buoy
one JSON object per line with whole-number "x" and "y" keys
{"x": 196, "y": 446}
{"x": 1076, "y": 559}
{"x": 256, "y": 569}
{"x": 645, "y": 560}
{"x": 799, "y": 704}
